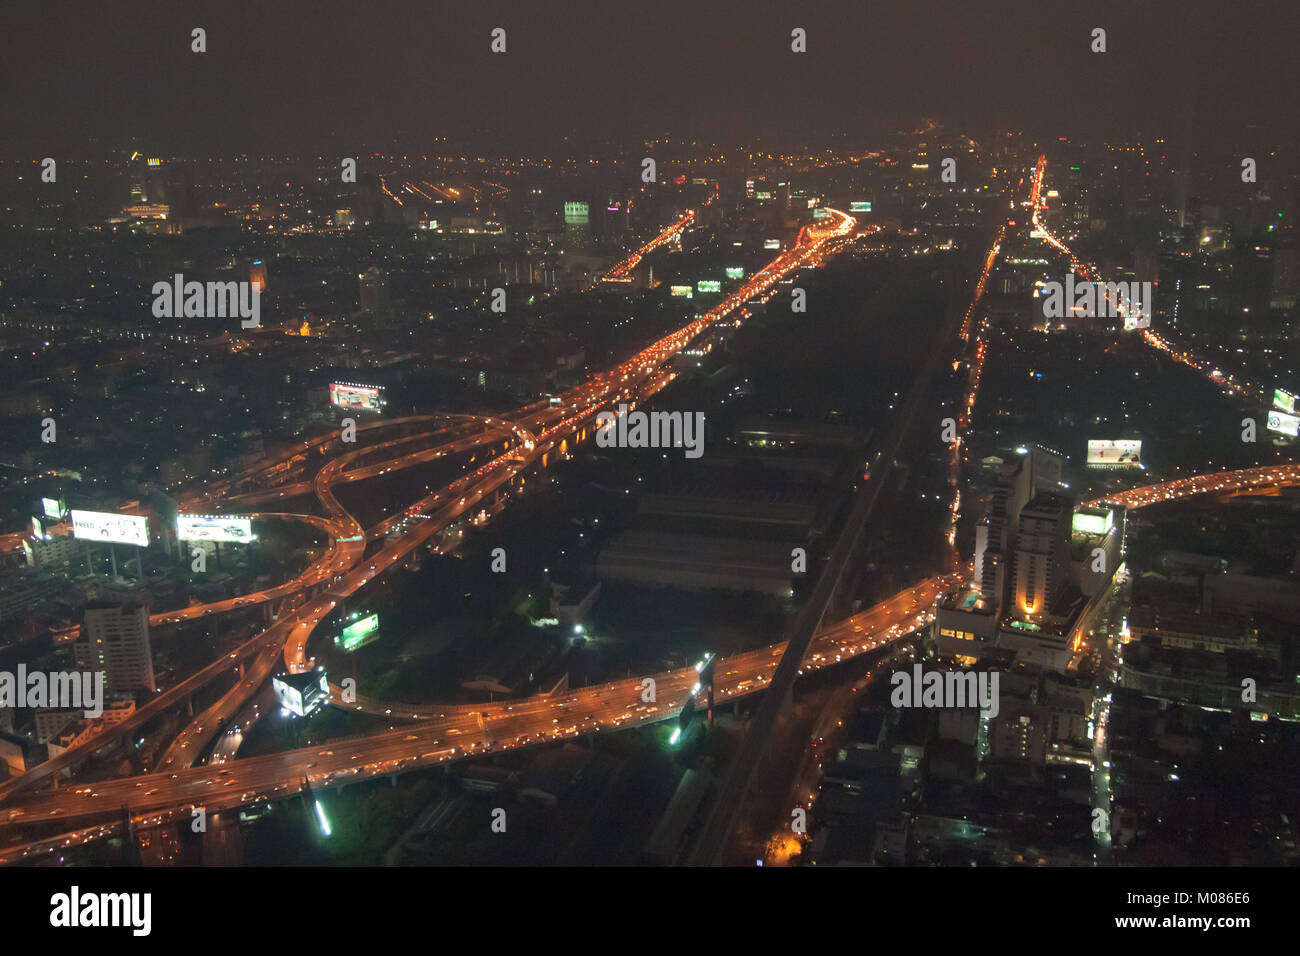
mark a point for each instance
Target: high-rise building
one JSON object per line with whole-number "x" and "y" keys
{"x": 139, "y": 180}
{"x": 374, "y": 291}
{"x": 1042, "y": 557}
{"x": 1146, "y": 263}
{"x": 1010, "y": 493}
{"x": 618, "y": 218}
{"x": 115, "y": 640}
{"x": 577, "y": 226}
{"x": 1286, "y": 279}
{"x": 146, "y": 180}
{"x": 1096, "y": 546}
{"x": 1022, "y": 554}
{"x": 257, "y": 275}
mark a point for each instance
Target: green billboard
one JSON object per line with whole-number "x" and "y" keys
{"x": 358, "y": 634}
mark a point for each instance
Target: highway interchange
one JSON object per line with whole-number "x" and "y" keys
{"x": 451, "y": 732}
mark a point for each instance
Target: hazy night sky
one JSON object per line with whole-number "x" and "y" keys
{"x": 293, "y": 75}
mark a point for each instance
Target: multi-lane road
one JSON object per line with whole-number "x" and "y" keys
{"x": 555, "y": 426}
{"x": 462, "y": 732}
{"x": 451, "y": 732}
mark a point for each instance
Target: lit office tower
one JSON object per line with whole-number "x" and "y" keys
{"x": 781, "y": 205}
{"x": 115, "y": 640}
{"x": 146, "y": 176}
{"x": 1042, "y": 557}
{"x": 1037, "y": 470}
{"x": 994, "y": 535}
{"x": 374, "y": 291}
{"x": 618, "y": 217}
{"x": 577, "y": 225}
{"x": 139, "y": 183}
{"x": 257, "y": 275}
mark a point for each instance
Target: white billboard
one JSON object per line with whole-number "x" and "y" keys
{"x": 1284, "y": 424}
{"x": 109, "y": 528}
{"x": 290, "y": 697}
{"x": 53, "y": 508}
{"x": 302, "y": 694}
{"x": 213, "y": 528}
{"x": 1123, "y": 453}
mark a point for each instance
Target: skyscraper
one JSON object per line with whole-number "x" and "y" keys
{"x": 994, "y": 536}
{"x": 115, "y": 640}
{"x": 1042, "y": 556}
{"x": 374, "y": 291}
{"x": 146, "y": 180}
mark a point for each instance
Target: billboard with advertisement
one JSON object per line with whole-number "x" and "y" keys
{"x": 1284, "y": 424}
{"x": 771, "y": 243}
{"x": 708, "y": 285}
{"x": 302, "y": 694}
{"x": 682, "y": 291}
{"x": 1284, "y": 400}
{"x": 358, "y": 634}
{"x": 289, "y": 697}
{"x": 109, "y": 528}
{"x": 577, "y": 213}
{"x": 1121, "y": 453}
{"x": 53, "y": 508}
{"x": 734, "y": 272}
{"x": 368, "y": 398}
{"x": 213, "y": 528}
{"x": 1092, "y": 521}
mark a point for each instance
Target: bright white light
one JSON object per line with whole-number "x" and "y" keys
{"x": 324, "y": 824}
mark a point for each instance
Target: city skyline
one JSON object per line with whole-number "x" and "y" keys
{"x": 699, "y": 436}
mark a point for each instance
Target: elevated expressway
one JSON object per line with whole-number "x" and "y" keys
{"x": 635, "y": 379}
{"x": 447, "y": 732}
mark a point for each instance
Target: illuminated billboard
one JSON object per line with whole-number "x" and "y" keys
{"x": 771, "y": 243}
{"x": 708, "y": 285}
{"x": 734, "y": 272}
{"x": 682, "y": 291}
{"x": 109, "y": 528}
{"x": 302, "y": 694}
{"x": 53, "y": 508}
{"x": 213, "y": 528}
{"x": 1092, "y": 522}
{"x": 576, "y": 213}
{"x": 358, "y": 634}
{"x": 1105, "y": 453}
{"x": 820, "y": 213}
{"x": 860, "y": 206}
{"x": 367, "y": 398}
{"x": 1284, "y": 400}
{"x": 1284, "y": 424}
